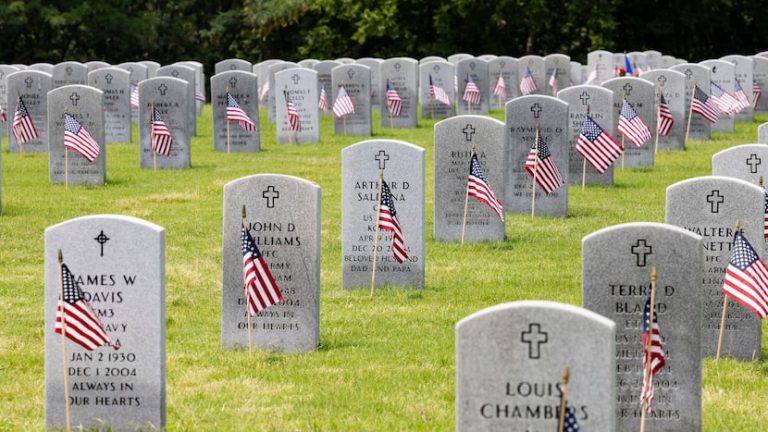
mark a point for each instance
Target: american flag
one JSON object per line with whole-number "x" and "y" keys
{"x": 160, "y": 135}
{"x": 437, "y": 92}
{"x": 746, "y": 277}
{"x": 500, "y": 89}
{"x": 540, "y": 161}
{"x": 3, "y": 115}
{"x": 394, "y": 103}
{"x": 657, "y": 359}
{"x": 322, "y": 103}
{"x": 294, "y": 122}
{"x": 261, "y": 290}
{"x": 757, "y": 91}
{"x": 570, "y": 424}
{"x": 388, "y": 222}
{"x": 236, "y": 114}
{"x": 77, "y": 138}
{"x": 478, "y": 187}
{"x": 597, "y": 146}
{"x": 79, "y": 322}
{"x": 628, "y": 66}
{"x": 134, "y": 95}
{"x": 704, "y": 105}
{"x": 23, "y": 128}
{"x": 199, "y": 96}
{"x": 343, "y": 105}
{"x": 264, "y": 91}
{"x": 591, "y": 77}
{"x": 527, "y": 84}
{"x": 632, "y": 126}
{"x": 455, "y": 84}
{"x": 724, "y": 100}
{"x": 471, "y": 92}
{"x": 553, "y": 81}
{"x": 741, "y": 97}
{"x": 664, "y": 119}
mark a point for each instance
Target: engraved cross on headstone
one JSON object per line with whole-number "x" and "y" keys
{"x": 534, "y": 337}
{"x": 350, "y": 73}
{"x": 397, "y": 67}
{"x": 662, "y": 79}
{"x": 162, "y": 89}
{"x": 382, "y": 157}
{"x": 233, "y": 82}
{"x": 101, "y": 239}
{"x": 584, "y": 98}
{"x": 536, "y": 110}
{"x": 627, "y": 89}
{"x": 68, "y": 70}
{"x": 74, "y": 97}
{"x": 295, "y": 78}
{"x": 688, "y": 74}
{"x": 753, "y": 163}
{"x": 641, "y": 249}
{"x": 715, "y": 199}
{"x": 175, "y": 73}
{"x": 108, "y": 78}
{"x": 232, "y": 66}
{"x": 472, "y": 65}
{"x": 270, "y": 194}
{"x": 29, "y": 82}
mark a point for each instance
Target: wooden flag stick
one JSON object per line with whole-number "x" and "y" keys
{"x": 65, "y": 363}
{"x": 245, "y": 297}
{"x": 647, "y": 352}
{"x": 535, "y": 172}
{"x": 724, "y": 314}
{"x": 66, "y": 162}
{"x": 21, "y": 145}
{"x": 584, "y": 164}
{"x": 563, "y": 391}
{"x": 151, "y": 128}
{"x": 466, "y": 199}
{"x": 376, "y": 235}
{"x": 658, "y": 109}
{"x": 344, "y": 117}
{"x": 226, "y": 116}
{"x": 690, "y": 113}
{"x": 623, "y": 150}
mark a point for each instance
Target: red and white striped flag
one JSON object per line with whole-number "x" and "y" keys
{"x": 264, "y": 91}
{"x": 471, "y": 92}
{"x": 322, "y": 103}
{"x": 527, "y": 84}
{"x": 134, "y": 95}
{"x": 591, "y": 77}
{"x": 541, "y": 166}
{"x": 199, "y": 96}
{"x": 75, "y": 318}
{"x": 725, "y": 101}
{"x": 261, "y": 290}
{"x": 3, "y": 115}
{"x": 394, "y": 103}
{"x": 500, "y": 89}
{"x": 657, "y": 359}
{"x": 23, "y": 128}
{"x": 236, "y": 114}
{"x": 77, "y": 138}
{"x": 161, "y": 137}
{"x": 553, "y": 81}
{"x": 664, "y": 119}
{"x": 343, "y": 104}
{"x": 388, "y": 221}
{"x": 294, "y": 122}
{"x": 437, "y": 92}
{"x": 704, "y": 105}
{"x": 741, "y": 96}
{"x": 632, "y": 126}
{"x": 746, "y": 277}
{"x": 757, "y": 91}
{"x": 597, "y": 146}
{"x": 478, "y": 187}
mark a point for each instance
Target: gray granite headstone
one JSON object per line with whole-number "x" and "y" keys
{"x": 653, "y": 59}
{"x": 454, "y": 139}
{"x": 616, "y": 279}
{"x": 723, "y": 74}
{"x": 199, "y": 84}
{"x": 33, "y": 87}
{"x": 42, "y": 67}
{"x": 374, "y": 64}
{"x": 276, "y": 94}
{"x": 762, "y": 133}
{"x": 600, "y": 101}
{"x": 94, "y": 65}
{"x": 70, "y": 72}
{"x": 747, "y": 162}
{"x": 243, "y": 86}
{"x": 403, "y": 74}
{"x": 477, "y": 70}
{"x": 619, "y": 62}
{"x": 301, "y": 85}
{"x": 152, "y": 67}
{"x": 507, "y": 67}
{"x": 562, "y": 63}
{"x": 283, "y": 217}
{"x": 403, "y": 166}
{"x": 709, "y": 206}
{"x": 119, "y": 262}
{"x": 641, "y": 94}
{"x": 116, "y": 85}
{"x": 695, "y": 73}
{"x": 170, "y": 97}
{"x": 667, "y": 61}
{"x": 233, "y": 64}
{"x": 308, "y": 63}
{"x": 356, "y": 80}
{"x": 189, "y": 75}
{"x": 538, "y": 71}
{"x": 523, "y": 114}
{"x": 743, "y": 72}
{"x": 261, "y": 70}
{"x": 325, "y": 81}
{"x": 455, "y": 58}
{"x": 85, "y": 104}
{"x": 760, "y": 78}
{"x": 138, "y": 73}
{"x": 509, "y": 365}
{"x": 442, "y": 74}
{"x": 672, "y": 85}
{"x": 487, "y": 57}
{"x": 5, "y": 70}
{"x": 601, "y": 62}
{"x": 428, "y": 59}
{"x": 575, "y": 73}
{"x": 345, "y": 60}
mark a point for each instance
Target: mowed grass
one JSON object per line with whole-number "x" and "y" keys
{"x": 385, "y": 363}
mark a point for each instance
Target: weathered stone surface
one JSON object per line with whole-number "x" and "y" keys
{"x": 243, "y": 86}
{"x": 116, "y": 85}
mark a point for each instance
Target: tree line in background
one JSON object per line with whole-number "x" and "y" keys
{"x": 172, "y": 30}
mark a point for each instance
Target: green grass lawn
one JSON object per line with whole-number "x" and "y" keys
{"x": 383, "y": 364}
